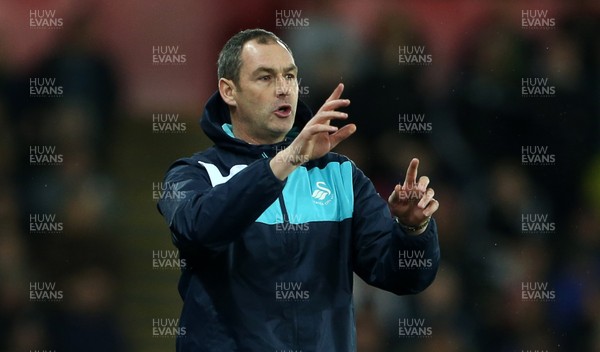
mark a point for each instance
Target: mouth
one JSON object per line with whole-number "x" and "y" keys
{"x": 283, "y": 111}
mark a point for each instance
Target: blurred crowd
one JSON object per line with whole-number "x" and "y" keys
{"x": 58, "y": 271}
{"x": 472, "y": 153}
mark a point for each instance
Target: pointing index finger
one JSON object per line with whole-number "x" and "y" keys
{"x": 411, "y": 173}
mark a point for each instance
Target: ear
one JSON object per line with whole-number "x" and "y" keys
{"x": 227, "y": 91}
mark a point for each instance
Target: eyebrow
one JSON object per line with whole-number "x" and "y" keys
{"x": 271, "y": 70}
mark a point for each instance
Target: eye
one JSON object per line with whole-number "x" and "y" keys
{"x": 265, "y": 78}
{"x": 290, "y": 76}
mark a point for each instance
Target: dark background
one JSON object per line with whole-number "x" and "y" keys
{"x": 102, "y": 190}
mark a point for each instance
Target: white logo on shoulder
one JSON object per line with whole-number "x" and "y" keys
{"x": 215, "y": 175}
{"x": 321, "y": 193}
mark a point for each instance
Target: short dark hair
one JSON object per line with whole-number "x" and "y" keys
{"x": 230, "y": 58}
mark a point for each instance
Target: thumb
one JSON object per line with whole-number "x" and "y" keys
{"x": 394, "y": 197}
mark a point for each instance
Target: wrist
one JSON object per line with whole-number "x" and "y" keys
{"x": 413, "y": 230}
{"x": 284, "y": 164}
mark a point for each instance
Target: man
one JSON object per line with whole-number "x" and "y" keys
{"x": 272, "y": 224}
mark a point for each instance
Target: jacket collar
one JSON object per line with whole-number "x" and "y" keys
{"x": 216, "y": 124}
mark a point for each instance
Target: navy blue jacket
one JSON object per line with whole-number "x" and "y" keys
{"x": 269, "y": 263}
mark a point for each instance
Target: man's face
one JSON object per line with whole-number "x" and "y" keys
{"x": 266, "y": 95}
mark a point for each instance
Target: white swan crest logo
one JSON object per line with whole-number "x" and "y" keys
{"x": 321, "y": 192}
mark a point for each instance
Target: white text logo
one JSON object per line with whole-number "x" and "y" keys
{"x": 167, "y": 328}
{"x": 44, "y": 291}
{"x": 44, "y": 87}
{"x": 44, "y": 19}
{"x": 167, "y": 259}
{"x": 167, "y": 123}
{"x": 536, "y": 155}
{"x": 166, "y": 190}
{"x": 413, "y": 123}
{"x": 536, "y": 291}
{"x": 44, "y": 155}
{"x": 413, "y": 259}
{"x": 413, "y": 328}
{"x": 536, "y": 19}
{"x": 167, "y": 55}
{"x": 290, "y": 291}
{"x": 290, "y": 19}
{"x": 537, "y": 87}
{"x": 536, "y": 224}
{"x": 44, "y": 224}
{"x": 413, "y": 55}
{"x": 290, "y": 225}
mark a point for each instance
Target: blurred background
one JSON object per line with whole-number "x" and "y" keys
{"x": 98, "y": 98}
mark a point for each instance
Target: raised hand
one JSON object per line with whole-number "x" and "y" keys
{"x": 318, "y": 137}
{"x": 413, "y": 203}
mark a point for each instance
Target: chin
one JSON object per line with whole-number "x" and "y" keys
{"x": 284, "y": 127}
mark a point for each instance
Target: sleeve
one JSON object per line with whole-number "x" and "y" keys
{"x": 201, "y": 216}
{"x": 383, "y": 254}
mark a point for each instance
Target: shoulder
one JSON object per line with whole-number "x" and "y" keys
{"x": 212, "y": 156}
{"x": 329, "y": 160}
{"x": 192, "y": 164}
{"x": 335, "y": 167}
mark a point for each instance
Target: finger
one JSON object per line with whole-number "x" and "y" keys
{"x": 314, "y": 129}
{"x": 411, "y": 173}
{"x": 337, "y": 92}
{"x": 423, "y": 183}
{"x": 431, "y": 208}
{"x": 334, "y": 105}
{"x": 426, "y": 198}
{"x": 326, "y": 116}
{"x": 342, "y": 134}
{"x": 395, "y": 196}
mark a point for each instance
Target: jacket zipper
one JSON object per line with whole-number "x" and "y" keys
{"x": 286, "y": 244}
